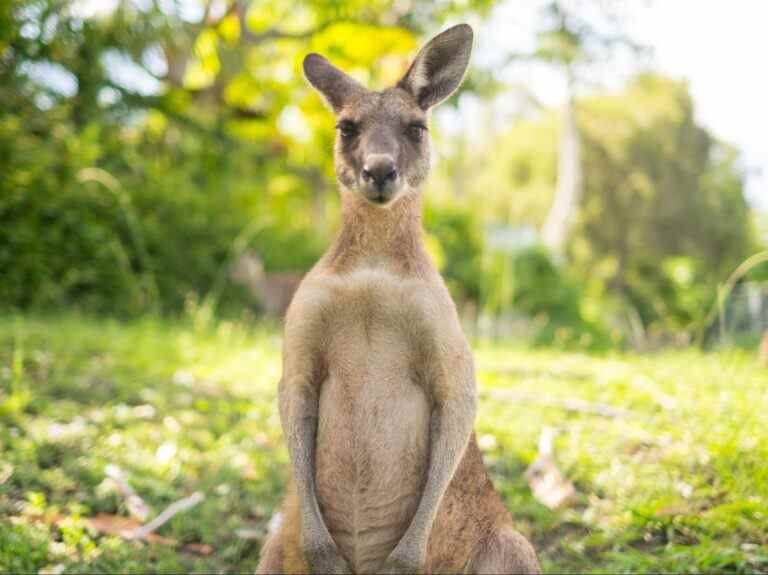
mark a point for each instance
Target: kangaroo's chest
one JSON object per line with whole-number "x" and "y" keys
{"x": 374, "y": 414}
{"x": 377, "y": 324}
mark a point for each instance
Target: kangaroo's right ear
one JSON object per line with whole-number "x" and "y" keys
{"x": 439, "y": 67}
{"x": 335, "y": 86}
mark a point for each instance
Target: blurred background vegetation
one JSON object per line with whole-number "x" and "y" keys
{"x": 166, "y": 177}
{"x": 146, "y": 146}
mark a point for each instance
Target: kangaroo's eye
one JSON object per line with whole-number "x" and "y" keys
{"x": 415, "y": 131}
{"x": 347, "y": 128}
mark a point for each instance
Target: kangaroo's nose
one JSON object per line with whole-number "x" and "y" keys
{"x": 379, "y": 169}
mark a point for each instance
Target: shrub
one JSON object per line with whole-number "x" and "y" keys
{"x": 528, "y": 282}
{"x": 460, "y": 240}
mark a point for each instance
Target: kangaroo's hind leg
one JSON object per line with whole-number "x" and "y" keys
{"x": 503, "y": 550}
{"x": 282, "y": 552}
{"x": 272, "y": 556}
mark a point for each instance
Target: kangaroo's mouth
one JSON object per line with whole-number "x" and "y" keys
{"x": 380, "y": 196}
{"x": 379, "y": 199}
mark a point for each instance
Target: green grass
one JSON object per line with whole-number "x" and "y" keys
{"x": 678, "y": 483}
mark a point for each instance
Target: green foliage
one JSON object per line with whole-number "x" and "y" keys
{"x": 187, "y": 406}
{"x": 663, "y": 217}
{"x": 138, "y": 142}
{"x": 678, "y": 218}
{"x": 540, "y": 287}
{"x": 527, "y": 282}
{"x": 673, "y": 294}
{"x": 459, "y": 236}
{"x": 22, "y": 548}
{"x": 130, "y": 395}
{"x": 759, "y": 273}
{"x": 530, "y": 283}
{"x": 60, "y": 242}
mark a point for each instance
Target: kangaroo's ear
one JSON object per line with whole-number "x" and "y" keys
{"x": 439, "y": 68}
{"x": 335, "y": 86}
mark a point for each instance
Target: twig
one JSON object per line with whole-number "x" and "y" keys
{"x": 135, "y": 504}
{"x": 167, "y": 514}
{"x": 664, "y": 401}
{"x": 547, "y": 442}
{"x": 569, "y": 404}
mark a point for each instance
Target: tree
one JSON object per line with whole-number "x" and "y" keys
{"x": 573, "y": 35}
{"x": 199, "y": 116}
{"x": 663, "y": 216}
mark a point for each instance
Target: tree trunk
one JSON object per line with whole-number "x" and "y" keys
{"x": 568, "y": 189}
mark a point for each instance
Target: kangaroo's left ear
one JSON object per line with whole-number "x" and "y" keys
{"x": 335, "y": 86}
{"x": 439, "y": 68}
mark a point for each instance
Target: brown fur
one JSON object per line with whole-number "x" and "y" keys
{"x": 378, "y": 393}
{"x": 273, "y": 291}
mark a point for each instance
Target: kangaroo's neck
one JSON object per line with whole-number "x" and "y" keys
{"x": 372, "y": 235}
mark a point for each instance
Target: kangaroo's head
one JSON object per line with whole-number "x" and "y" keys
{"x": 382, "y": 142}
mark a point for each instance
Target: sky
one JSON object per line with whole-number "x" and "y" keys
{"x": 721, "y": 48}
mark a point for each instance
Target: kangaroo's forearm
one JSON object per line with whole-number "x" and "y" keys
{"x": 298, "y": 413}
{"x": 451, "y": 428}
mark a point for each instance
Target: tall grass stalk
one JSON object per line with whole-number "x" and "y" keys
{"x": 724, "y": 292}
{"x": 112, "y": 184}
{"x": 237, "y": 248}
{"x": 17, "y": 358}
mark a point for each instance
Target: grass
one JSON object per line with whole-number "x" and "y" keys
{"x": 677, "y": 483}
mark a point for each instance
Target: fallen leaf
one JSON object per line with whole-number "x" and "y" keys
{"x": 198, "y": 548}
{"x": 250, "y": 534}
{"x": 124, "y": 527}
{"x": 693, "y": 508}
{"x": 49, "y": 519}
{"x": 6, "y": 470}
{"x": 672, "y": 510}
{"x": 118, "y": 526}
{"x": 548, "y": 484}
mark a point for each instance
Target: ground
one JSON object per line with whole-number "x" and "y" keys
{"x": 670, "y": 475}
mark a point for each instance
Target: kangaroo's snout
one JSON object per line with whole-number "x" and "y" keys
{"x": 379, "y": 170}
{"x": 379, "y": 178}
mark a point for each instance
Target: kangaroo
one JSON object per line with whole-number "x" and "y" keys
{"x": 377, "y": 398}
{"x": 273, "y": 291}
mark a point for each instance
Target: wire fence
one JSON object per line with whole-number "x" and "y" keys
{"x": 746, "y": 312}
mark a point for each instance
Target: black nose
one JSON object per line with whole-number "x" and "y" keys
{"x": 379, "y": 171}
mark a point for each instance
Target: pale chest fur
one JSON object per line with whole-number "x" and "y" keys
{"x": 374, "y": 414}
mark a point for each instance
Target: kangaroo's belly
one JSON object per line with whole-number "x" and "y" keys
{"x": 372, "y": 443}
